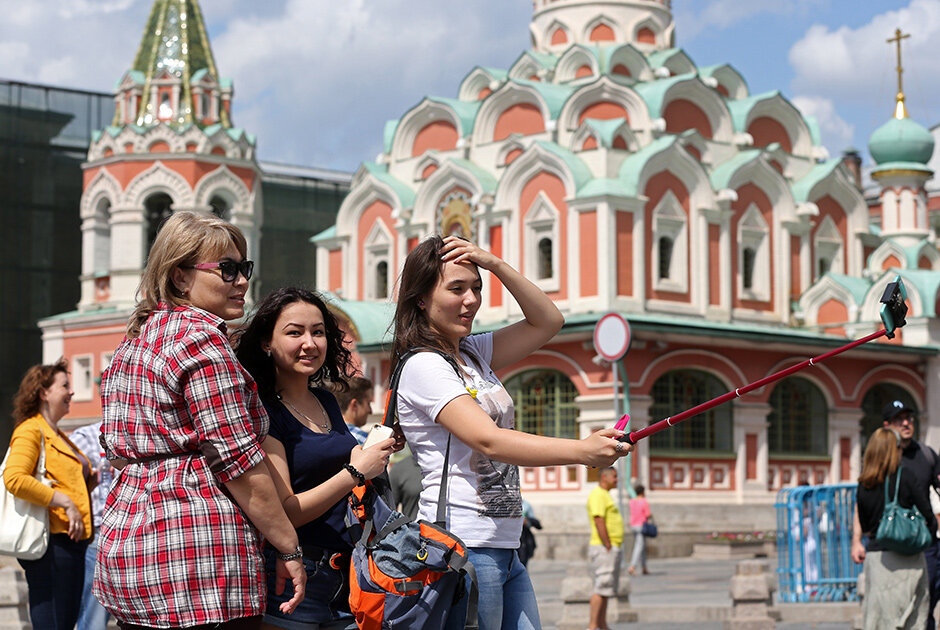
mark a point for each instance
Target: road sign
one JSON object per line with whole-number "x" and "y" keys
{"x": 612, "y": 336}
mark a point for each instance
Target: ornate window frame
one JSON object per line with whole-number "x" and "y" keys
{"x": 377, "y": 250}
{"x": 827, "y": 244}
{"x": 754, "y": 234}
{"x": 542, "y": 221}
{"x": 669, "y": 220}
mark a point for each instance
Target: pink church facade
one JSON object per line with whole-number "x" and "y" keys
{"x": 619, "y": 176}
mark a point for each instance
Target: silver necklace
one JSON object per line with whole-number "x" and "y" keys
{"x": 325, "y": 426}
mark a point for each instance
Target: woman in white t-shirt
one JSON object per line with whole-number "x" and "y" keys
{"x": 438, "y": 298}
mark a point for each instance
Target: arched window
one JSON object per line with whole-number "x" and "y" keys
{"x": 166, "y": 109}
{"x": 874, "y": 402}
{"x": 220, "y": 207}
{"x": 545, "y": 403}
{"x": 799, "y": 419}
{"x": 546, "y": 269}
{"x": 748, "y": 267}
{"x": 381, "y": 280}
{"x": 102, "y": 237}
{"x": 683, "y": 389}
{"x": 665, "y": 257}
{"x": 157, "y": 208}
{"x": 204, "y": 106}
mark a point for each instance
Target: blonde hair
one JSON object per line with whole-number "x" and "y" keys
{"x": 186, "y": 238}
{"x": 882, "y": 456}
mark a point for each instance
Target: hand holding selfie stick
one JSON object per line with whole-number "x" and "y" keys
{"x": 893, "y": 312}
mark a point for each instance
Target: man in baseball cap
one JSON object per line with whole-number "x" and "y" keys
{"x": 923, "y": 462}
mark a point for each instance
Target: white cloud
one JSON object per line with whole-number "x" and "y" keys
{"x": 91, "y": 7}
{"x": 722, "y": 14}
{"x": 858, "y": 64}
{"x": 836, "y": 133}
{"x": 317, "y": 80}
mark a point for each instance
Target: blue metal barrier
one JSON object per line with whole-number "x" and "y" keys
{"x": 814, "y": 542}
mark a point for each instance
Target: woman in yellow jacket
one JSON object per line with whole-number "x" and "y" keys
{"x": 54, "y": 580}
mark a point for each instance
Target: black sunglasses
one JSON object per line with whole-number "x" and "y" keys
{"x": 229, "y": 268}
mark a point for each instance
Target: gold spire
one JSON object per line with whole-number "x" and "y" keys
{"x": 899, "y": 110}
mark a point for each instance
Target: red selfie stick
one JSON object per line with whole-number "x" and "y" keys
{"x": 893, "y": 313}
{"x": 634, "y": 436}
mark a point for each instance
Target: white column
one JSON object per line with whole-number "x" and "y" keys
{"x": 843, "y": 423}
{"x": 930, "y": 415}
{"x": 750, "y": 418}
{"x": 127, "y": 251}
{"x": 639, "y": 418}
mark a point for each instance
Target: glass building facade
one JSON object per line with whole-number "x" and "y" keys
{"x": 44, "y": 137}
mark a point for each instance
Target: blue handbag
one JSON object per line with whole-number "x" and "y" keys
{"x": 649, "y": 530}
{"x": 902, "y": 530}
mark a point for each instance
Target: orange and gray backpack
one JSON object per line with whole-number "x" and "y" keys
{"x": 405, "y": 574}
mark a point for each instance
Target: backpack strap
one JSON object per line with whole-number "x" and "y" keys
{"x": 441, "y": 520}
{"x": 391, "y": 417}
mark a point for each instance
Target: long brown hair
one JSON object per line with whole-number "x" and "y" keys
{"x": 26, "y": 402}
{"x": 881, "y": 459}
{"x": 184, "y": 239}
{"x": 422, "y": 271}
{"x": 248, "y": 340}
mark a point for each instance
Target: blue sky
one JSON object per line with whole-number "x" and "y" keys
{"x": 316, "y": 80}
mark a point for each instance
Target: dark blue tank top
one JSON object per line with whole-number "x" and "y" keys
{"x": 312, "y": 458}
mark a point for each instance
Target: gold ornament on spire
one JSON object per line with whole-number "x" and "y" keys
{"x": 900, "y": 111}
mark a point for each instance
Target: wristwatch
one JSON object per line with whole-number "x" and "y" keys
{"x": 296, "y": 554}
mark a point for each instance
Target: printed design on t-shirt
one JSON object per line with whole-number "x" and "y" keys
{"x": 497, "y": 482}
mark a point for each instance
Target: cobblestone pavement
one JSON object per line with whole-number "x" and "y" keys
{"x": 674, "y": 583}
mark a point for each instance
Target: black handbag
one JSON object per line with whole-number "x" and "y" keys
{"x": 649, "y": 529}
{"x": 902, "y": 530}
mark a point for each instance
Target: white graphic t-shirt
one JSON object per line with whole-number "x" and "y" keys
{"x": 484, "y": 505}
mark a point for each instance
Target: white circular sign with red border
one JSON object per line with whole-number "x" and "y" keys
{"x": 612, "y": 336}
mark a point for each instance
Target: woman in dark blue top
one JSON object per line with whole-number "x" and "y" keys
{"x": 292, "y": 344}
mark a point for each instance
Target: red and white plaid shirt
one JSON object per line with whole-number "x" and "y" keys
{"x": 174, "y": 549}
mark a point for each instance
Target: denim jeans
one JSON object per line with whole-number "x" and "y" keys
{"x": 638, "y": 559}
{"x": 507, "y": 599}
{"x": 92, "y": 615}
{"x": 55, "y": 583}
{"x": 325, "y": 605}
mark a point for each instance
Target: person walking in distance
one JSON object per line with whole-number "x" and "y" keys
{"x": 604, "y": 553}
{"x": 639, "y": 514}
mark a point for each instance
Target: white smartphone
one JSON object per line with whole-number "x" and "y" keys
{"x": 379, "y": 433}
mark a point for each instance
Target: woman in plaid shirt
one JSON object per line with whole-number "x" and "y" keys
{"x": 179, "y": 542}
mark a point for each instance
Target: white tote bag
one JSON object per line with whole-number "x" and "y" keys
{"x": 24, "y": 526}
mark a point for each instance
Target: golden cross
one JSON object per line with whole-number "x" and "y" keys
{"x": 900, "y": 111}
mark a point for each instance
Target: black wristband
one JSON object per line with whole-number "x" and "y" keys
{"x": 360, "y": 478}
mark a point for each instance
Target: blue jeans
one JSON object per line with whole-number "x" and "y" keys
{"x": 92, "y": 615}
{"x": 507, "y": 599}
{"x": 55, "y": 583}
{"x": 325, "y": 605}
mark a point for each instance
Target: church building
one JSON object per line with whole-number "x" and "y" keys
{"x": 620, "y": 176}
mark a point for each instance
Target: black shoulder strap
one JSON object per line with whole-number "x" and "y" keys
{"x": 391, "y": 417}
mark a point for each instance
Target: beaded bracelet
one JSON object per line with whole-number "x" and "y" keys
{"x": 360, "y": 478}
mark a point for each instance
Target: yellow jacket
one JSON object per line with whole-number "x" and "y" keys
{"x": 62, "y": 467}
